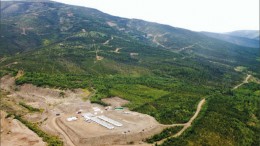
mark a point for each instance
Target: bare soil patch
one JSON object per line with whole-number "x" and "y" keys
{"x": 99, "y": 58}
{"x": 117, "y": 50}
{"x": 115, "y": 101}
{"x": 7, "y": 83}
{"x": 112, "y": 24}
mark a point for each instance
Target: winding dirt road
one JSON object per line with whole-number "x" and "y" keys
{"x": 186, "y": 125}
{"x": 244, "y": 82}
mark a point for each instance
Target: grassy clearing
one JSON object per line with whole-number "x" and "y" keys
{"x": 137, "y": 94}
{"x": 171, "y": 108}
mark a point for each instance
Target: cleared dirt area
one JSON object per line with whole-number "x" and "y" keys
{"x": 117, "y": 50}
{"x": 136, "y": 127}
{"x": 58, "y": 107}
{"x": 14, "y": 133}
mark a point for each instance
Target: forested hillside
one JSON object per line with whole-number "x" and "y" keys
{"x": 231, "y": 119}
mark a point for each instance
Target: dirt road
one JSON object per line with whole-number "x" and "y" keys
{"x": 184, "y": 48}
{"x": 244, "y": 82}
{"x": 67, "y": 139}
{"x": 186, "y": 125}
{"x": 106, "y": 42}
{"x": 158, "y": 43}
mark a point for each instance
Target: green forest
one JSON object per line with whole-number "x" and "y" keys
{"x": 230, "y": 119}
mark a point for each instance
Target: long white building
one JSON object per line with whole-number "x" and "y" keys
{"x": 89, "y": 116}
{"x": 103, "y": 123}
{"x": 111, "y": 121}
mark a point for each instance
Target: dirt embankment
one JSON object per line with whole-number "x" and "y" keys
{"x": 7, "y": 83}
{"x": 14, "y": 133}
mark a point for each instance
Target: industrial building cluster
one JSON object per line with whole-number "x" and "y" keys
{"x": 100, "y": 119}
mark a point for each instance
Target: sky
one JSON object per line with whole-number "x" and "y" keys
{"x": 196, "y": 15}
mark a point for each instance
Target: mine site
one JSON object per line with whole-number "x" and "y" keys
{"x": 76, "y": 121}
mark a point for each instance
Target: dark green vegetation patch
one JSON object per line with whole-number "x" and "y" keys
{"x": 231, "y": 119}
{"x": 164, "y": 134}
{"x": 30, "y": 108}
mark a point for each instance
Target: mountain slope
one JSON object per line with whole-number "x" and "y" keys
{"x": 242, "y": 41}
{"x": 73, "y": 39}
{"x": 72, "y": 19}
{"x": 194, "y": 44}
{"x": 251, "y": 34}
